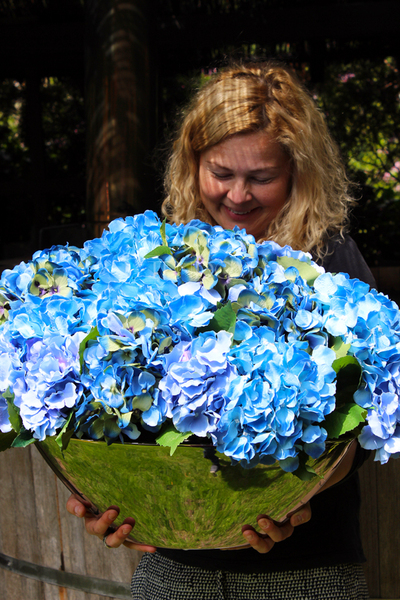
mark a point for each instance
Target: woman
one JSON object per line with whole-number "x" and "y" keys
{"x": 254, "y": 151}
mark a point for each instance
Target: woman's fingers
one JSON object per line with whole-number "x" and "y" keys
{"x": 301, "y": 516}
{"x": 259, "y": 542}
{"x": 119, "y": 537}
{"x": 139, "y": 547}
{"x": 277, "y": 533}
{"x": 115, "y": 539}
{"x": 100, "y": 525}
{"x": 77, "y": 507}
{"x": 96, "y": 525}
{"x": 272, "y": 533}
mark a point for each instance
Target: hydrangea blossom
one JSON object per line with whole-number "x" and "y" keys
{"x": 203, "y": 329}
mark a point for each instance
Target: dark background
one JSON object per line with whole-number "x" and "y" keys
{"x": 346, "y": 51}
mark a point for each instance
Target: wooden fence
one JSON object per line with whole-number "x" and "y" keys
{"x": 35, "y": 527}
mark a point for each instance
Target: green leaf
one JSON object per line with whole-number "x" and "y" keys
{"x": 64, "y": 436}
{"x": 23, "y": 439}
{"x": 92, "y": 335}
{"x": 304, "y": 471}
{"x": 344, "y": 419}
{"x": 6, "y": 440}
{"x": 8, "y": 394}
{"x": 224, "y": 319}
{"x": 171, "y": 438}
{"x": 348, "y": 380}
{"x": 306, "y": 270}
{"x": 159, "y": 251}
{"x": 13, "y": 411}
{"x": 346, "y": 362}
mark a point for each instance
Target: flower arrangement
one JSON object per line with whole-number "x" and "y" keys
{"x": 157, "y": 331}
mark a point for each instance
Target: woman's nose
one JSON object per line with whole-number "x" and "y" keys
{"x": 238, "y": 192}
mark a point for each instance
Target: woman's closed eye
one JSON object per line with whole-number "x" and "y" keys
{"x": 256, "y": 180}
{"x": 261, "y": 181}
{"x": 222, "y": 176}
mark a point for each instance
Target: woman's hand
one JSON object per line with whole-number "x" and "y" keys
{"x": 98, "y": 526}
{"x": 272, "y": 533}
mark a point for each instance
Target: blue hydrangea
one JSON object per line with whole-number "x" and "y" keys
{"x": 190, "y": 324}
{"x": 197, "y": 379}
{"x": 48, "y": 383}
{"x": 281, "y": 392}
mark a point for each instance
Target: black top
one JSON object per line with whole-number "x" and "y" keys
{"x": 332, "y": 535}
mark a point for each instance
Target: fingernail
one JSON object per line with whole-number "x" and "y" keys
{"x": 248, "y": 535}
{"x": 111, "y": 516}
{"x": 77, "y": 511}
{"x": 126, "y": 529}
{"x": 264, "y": 524}
{"x": 298, "y": 520}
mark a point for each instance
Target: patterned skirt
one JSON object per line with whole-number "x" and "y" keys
{"x": 159, "y": 578}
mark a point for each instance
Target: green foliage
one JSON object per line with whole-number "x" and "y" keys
{"x": 6, "y": 440}
{"x": 347, "y": 415}
{"x": 32, "y": 151}
{"x": 23, "y": 439}
{"x": 304, "y": 471}
{"x": 65, "y": 435}
{"x": 159, "y": 251}
{"x": 348, "y": 371}
{"x": 224, "y": 319}
{"x": 361, "y": 102}
{"x": 344, "y": 420}
{"x": 14, "y": 159}
{"x": 92, "y": 335}
{"x": 13, "y": 411}
{"x": 171, "y": 437}
{"x": 63, "y": 118}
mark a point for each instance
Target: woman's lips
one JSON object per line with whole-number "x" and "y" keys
{"x": 239, "y": 215}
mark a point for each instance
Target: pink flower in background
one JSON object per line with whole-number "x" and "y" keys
{"x": 346, "y": 77}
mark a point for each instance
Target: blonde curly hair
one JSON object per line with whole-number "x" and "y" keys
{"x": 264, "y": 97}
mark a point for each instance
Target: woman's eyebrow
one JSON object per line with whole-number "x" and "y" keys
{"x": 260, "y": 170}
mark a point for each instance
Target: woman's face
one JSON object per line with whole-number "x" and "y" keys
{"x": 245, "y": 181}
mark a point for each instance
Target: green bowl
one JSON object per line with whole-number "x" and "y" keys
{"x": 194, "y": 499}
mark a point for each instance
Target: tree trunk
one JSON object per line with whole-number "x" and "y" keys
{"x": 119, "y": 109}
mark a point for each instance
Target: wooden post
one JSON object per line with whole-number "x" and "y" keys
{"x": 119, "y": 109}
